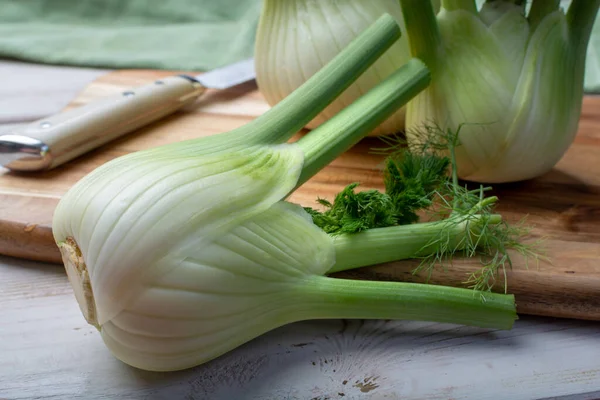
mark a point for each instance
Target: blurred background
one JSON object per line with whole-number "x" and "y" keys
{"x": 50, "y": 49}
{"x": 44, "y": 42}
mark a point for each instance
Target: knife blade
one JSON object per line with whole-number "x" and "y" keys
{"x": 52, "y": 141}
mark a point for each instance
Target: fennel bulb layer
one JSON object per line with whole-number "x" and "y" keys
{"x": 512, "y": 83}
{"x": 245, "y": 283}
{"x": 147, "y": 210}
{"x": 296, "y": 38}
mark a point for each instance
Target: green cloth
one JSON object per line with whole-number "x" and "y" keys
{"x": 191, "y": 35}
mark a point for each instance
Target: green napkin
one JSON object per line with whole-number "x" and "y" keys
{"x": 194, "y": 35}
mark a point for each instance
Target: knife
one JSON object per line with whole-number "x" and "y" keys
{"x": 52, "y": 141}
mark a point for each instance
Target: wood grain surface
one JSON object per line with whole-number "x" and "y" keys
{"x": 563, "y": 206}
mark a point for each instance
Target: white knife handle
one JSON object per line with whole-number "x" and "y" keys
{"x": 52, "y": 141}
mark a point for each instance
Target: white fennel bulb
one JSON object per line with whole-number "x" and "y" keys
{"x": 183, "y": 252}
{"x": 296, "y": 38}
{"x": 513, "y": 80}
{"x": 187, "y": 257}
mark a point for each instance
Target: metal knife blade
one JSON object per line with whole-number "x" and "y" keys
{"x": 52, "y": 141}
{"x": 228, "y": 76}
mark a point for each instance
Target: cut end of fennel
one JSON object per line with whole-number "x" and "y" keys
{"x": 80, "y": 279}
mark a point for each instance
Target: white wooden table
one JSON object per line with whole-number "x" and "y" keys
{"x": 47, "y": 351}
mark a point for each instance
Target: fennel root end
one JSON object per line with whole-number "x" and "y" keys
{"x": 79, "y": 279}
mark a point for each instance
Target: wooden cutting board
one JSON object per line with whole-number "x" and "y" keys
{"x": 563, "y": 205}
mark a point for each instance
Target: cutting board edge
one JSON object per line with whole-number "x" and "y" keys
{"x": 570, "y": 313}
{"x": 36, "y": 235}
{"x": 567, "y": 311}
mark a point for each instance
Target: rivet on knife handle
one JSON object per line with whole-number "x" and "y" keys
{"x": 52, "y": 141}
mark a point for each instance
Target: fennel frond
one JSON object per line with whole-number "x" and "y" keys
{"x": 423, "y": 180}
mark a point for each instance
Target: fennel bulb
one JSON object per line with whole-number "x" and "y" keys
{"x": 511, "y": 81}
{"x": 296, "y": 38}
{"x": 183, "y": 252}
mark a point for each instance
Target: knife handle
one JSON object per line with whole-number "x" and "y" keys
{"x": 52, "y": 141}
